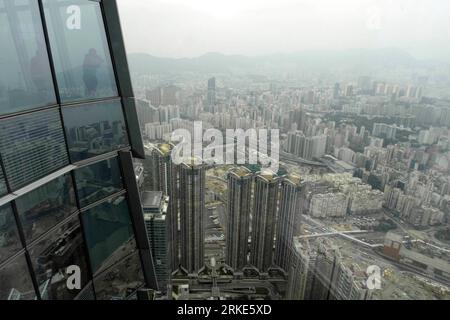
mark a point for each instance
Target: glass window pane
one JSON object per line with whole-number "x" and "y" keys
{"x": 46, "y": 206}
{"x": 32, "y": 146}
{"x": 25, "y": 77}
{"x": 121, "y": 280}
{"x": 80, "y": 50}
{"x": 3, "y": 189}
{"x": 15, "y": 280}
{"x": 109, "y": 232}
{"x": 53, "y": 254}
{"x": 98, "y": 181}
{"x": 9, "y": 236}
{"x": 94, "y": 129}
{"x": 87, "y": 293}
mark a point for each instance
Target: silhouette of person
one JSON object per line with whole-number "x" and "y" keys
{"x": 91, "y": 63}
{"x": 39, "y": 69}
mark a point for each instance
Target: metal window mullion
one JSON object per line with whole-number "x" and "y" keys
{"x": 114, "y": 67}
{"x": 111, "y": 22}
{"x": 90, "y": 275}
{"x": 26, "y": 254}
{"x": 54, "y": 78}
{"x": 137, "y": 218}
{"x": 89, "y": 102}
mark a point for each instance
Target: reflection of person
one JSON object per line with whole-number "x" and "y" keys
{"x": 39, "y": 68}
{"x": 92, "y": 62}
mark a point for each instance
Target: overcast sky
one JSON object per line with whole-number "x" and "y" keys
{"x": 187, "y": 28}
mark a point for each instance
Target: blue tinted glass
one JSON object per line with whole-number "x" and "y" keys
{"x": 94, "y": 129}
{"x": 109, "y": 232}
{"x": 25, "y": 77}
{"x": 32, "y": 146}
{"x": 15, "y": 281}
{"x": 80, "y": 50}
{"x": 119, "y": 281}
{"x": 98, "y": 180}
{"x": 46, "y": 206}
{"x": 52, "y": 255}
{"x": 9, "y": 237}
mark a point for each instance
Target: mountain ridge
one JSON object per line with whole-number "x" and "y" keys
{"x": 214, "y": 62}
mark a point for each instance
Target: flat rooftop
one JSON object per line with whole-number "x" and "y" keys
{"x": 151, "y": 199}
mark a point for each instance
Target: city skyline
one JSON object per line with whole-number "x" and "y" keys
{"x": 290, "y": 167}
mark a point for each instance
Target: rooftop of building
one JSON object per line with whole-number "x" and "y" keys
{"x": 241, "y": 171}
{"x": 294, "y": 178}
{"x": 151, "y": 199}
{"x": 165, "y": 148}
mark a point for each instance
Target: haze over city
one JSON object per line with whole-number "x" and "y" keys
{"x": 225, "y": 150}
{"x": 176, "y": 28}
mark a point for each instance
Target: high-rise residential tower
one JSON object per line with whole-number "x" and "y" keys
{"x": 192, "y": 208}
{"x": 155, "y": 207}
{"x": 211, "y": 96}
{"x": 264, "y": 211}
{"x": 288, "y": 215}
{"x": 68, "y": 132}
{"x": 162, "y": 175}
{"x": 239, "y": 206}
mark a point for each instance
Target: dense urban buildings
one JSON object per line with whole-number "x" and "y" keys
{"x": 345, "y": 176}
{"x": 354, "y": 206}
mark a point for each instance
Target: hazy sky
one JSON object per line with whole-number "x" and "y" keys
{"x": 186, "y": 28}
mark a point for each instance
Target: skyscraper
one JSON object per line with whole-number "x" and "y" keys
{"x": 239, "y": 206}
{"x": 68, "y": 132}
{"x": 264, "y": 211}
{"x": 301, "y": 273}
{"x": 336, "y": 89}
{"x": 162, "y": 176}
{"x": 155, "y": 207}
{"x": 169, "y": 96}
{"x": 192, "y": 208}
{"x": 288, "y": 215}
{"x": 154, "y": 96}
{"x": 211, "y": 97}
{"x": 158, "y": 162}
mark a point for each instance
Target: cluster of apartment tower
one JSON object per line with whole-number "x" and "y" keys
{"x": 262, "y": 213}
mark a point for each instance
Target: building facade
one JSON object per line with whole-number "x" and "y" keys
{"x": 68, "y": 134}
{"x": 239, "y": 206}
{"x": 264, "y": 211}
{"x": 155, "y": 205}
{"x": 288, "y": 217}
{"x": 162, "y": 175}
{"x": 192, "y": 209}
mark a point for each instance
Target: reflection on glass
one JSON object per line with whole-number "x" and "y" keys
{"x": 98, "y": 180}
{"x": 87, "y": 293}
{"x": 53, "y": 254}
{"x": 121, "y": 280}
{"x": 46, "y": 206}
{"x": 94, "y": 129}
{"x": 32, "y": 146}
{"x": 109, "y": 233}
{"x": 80, "y": 50}
{"x": 9, "y": 237}
{"x": 25, "y": 77}
{"x": 15, "y": 281}
{"x": 3, "y": 189}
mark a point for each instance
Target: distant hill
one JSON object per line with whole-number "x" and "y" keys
{"x": 362, "y": 59}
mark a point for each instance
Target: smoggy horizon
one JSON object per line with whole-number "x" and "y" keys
{"x": 177, "y": 29}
